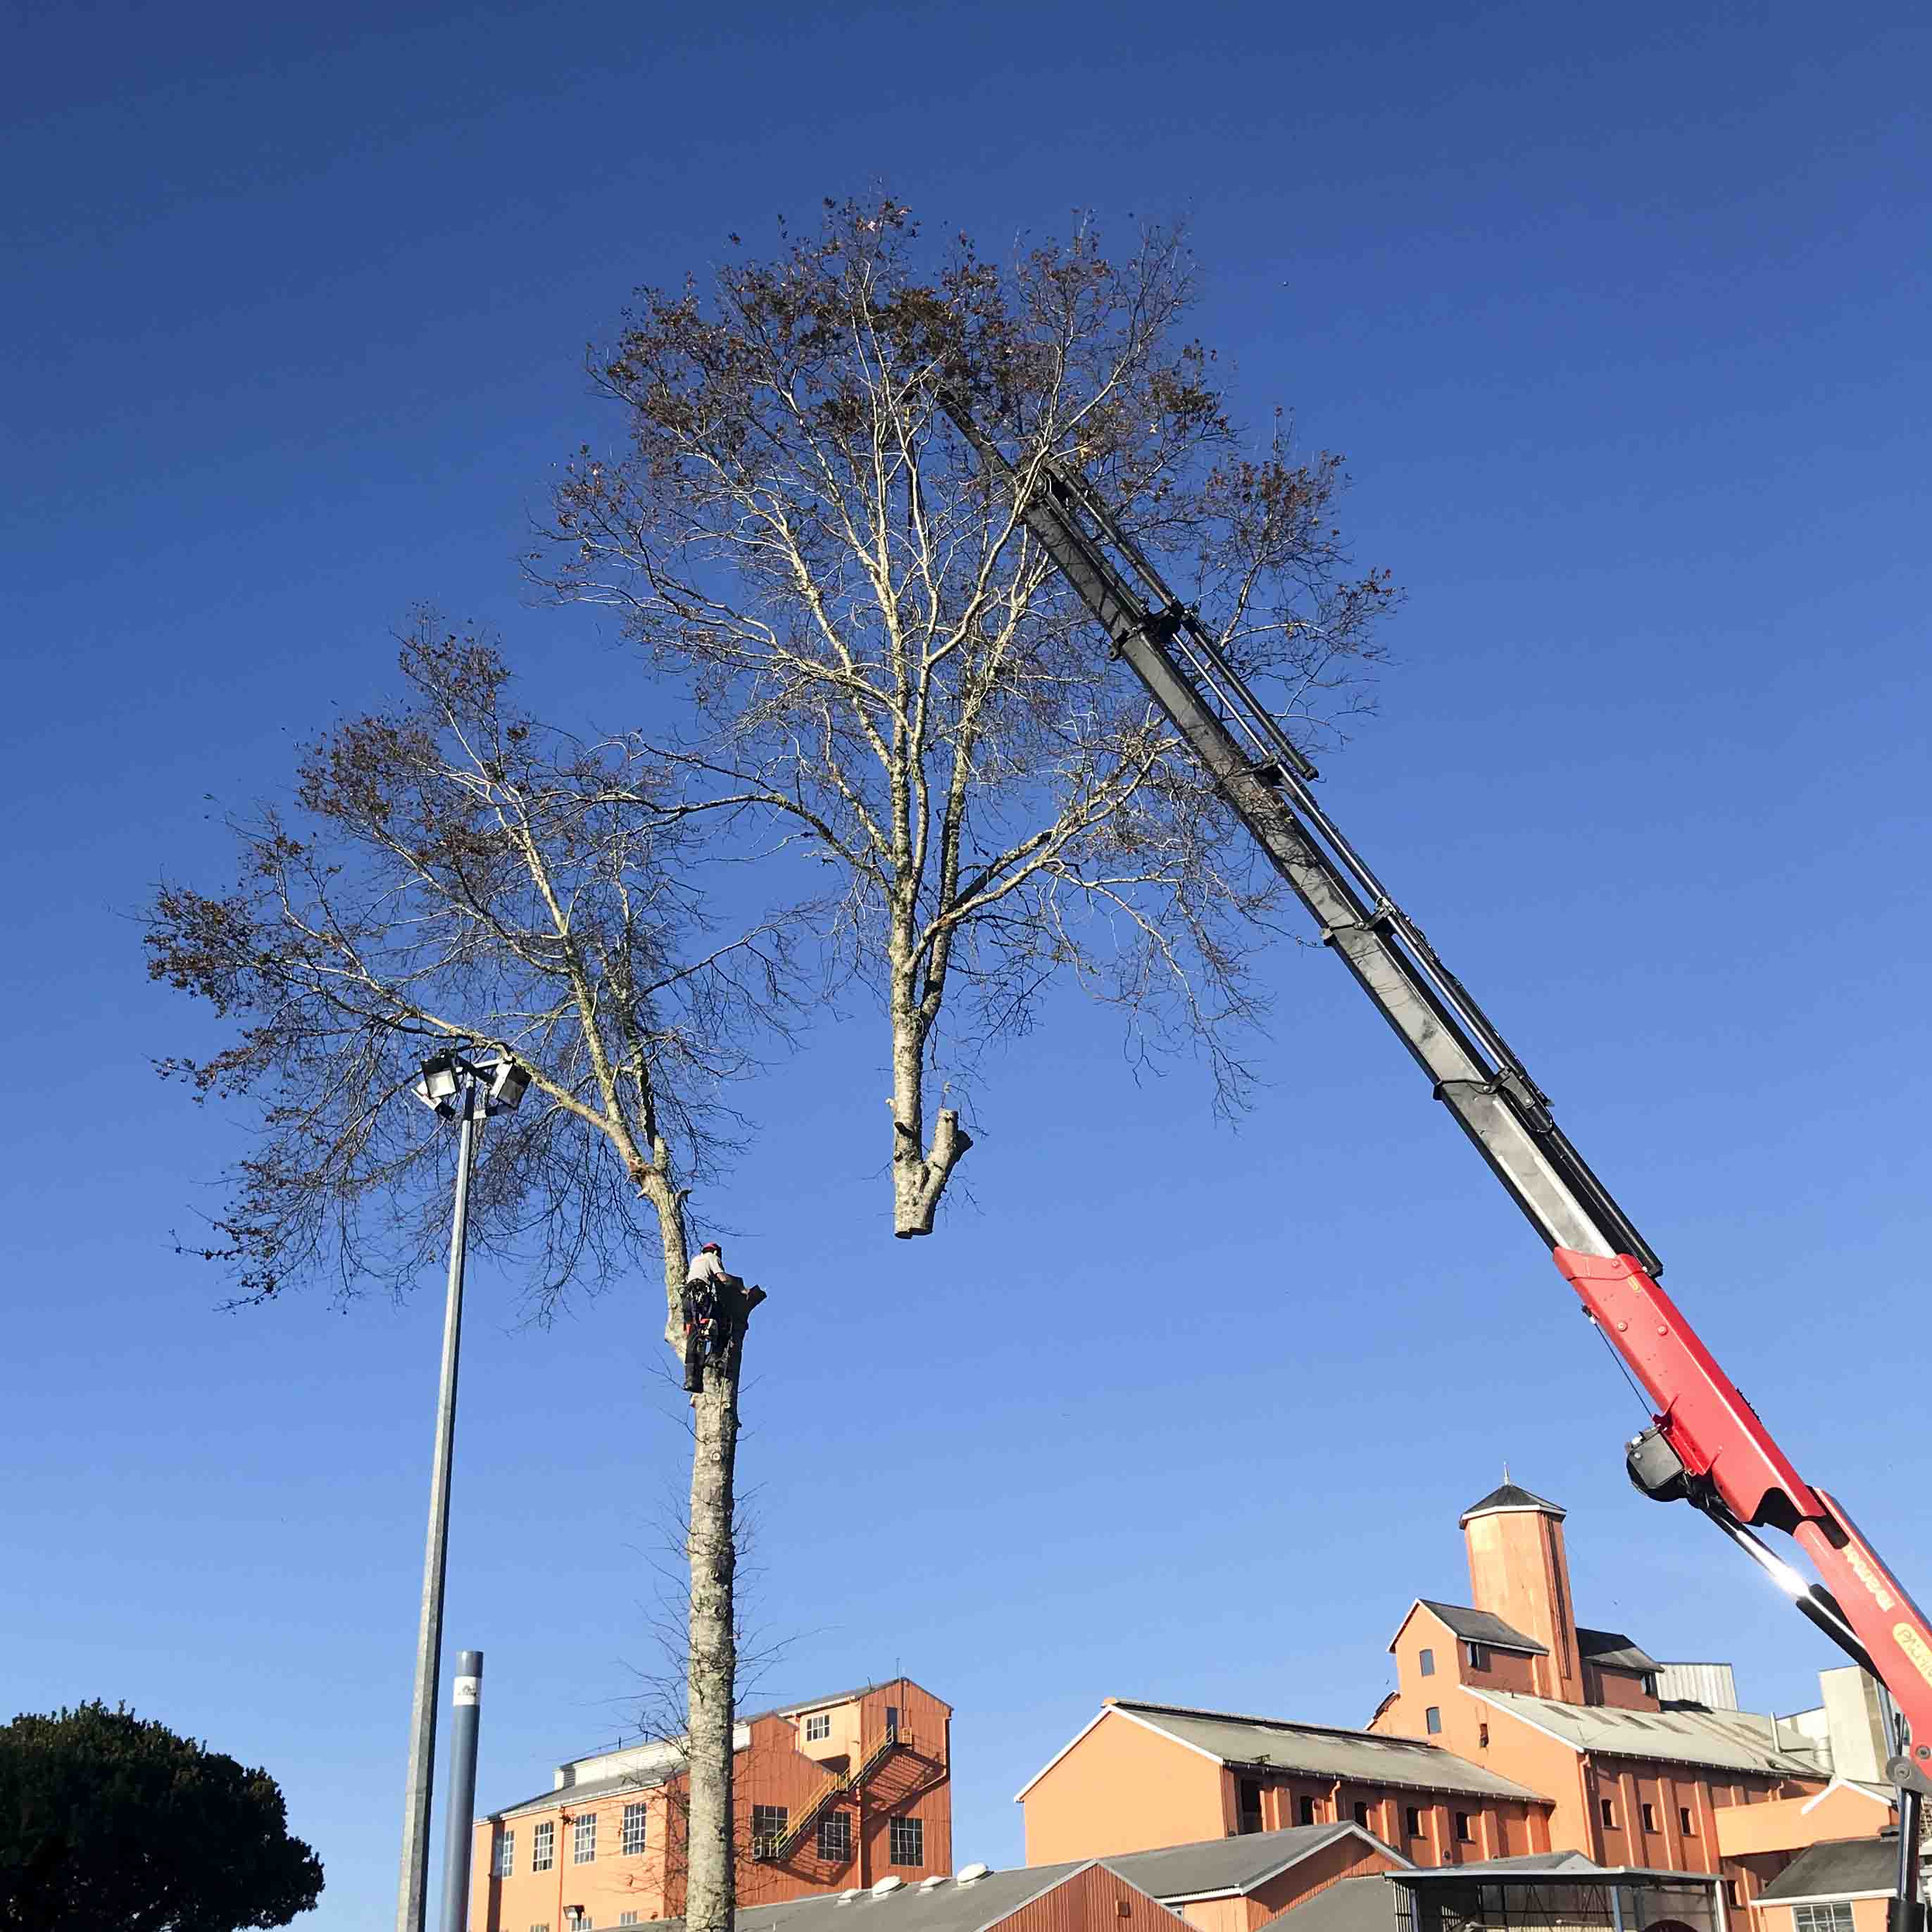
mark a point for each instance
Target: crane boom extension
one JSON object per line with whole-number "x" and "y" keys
{"x": 1707, "y": 1445}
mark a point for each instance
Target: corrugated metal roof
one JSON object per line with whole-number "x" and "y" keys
{"x": 1837, "y": 1868}
{"x": 1725, "y": 1740}
{"x": 597, "y": 1787}
{"x": 1361, "y": 1756}
{"x": 951, "y": 1907}
{"x": 1349, "y": 1905}
{"x": 1613, "y": 1650}
{"x": 1236, "y": 1865}
{"x": 1483, "y": 1627}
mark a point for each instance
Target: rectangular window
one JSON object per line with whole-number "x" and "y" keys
{"x": 1361, "y": 1814}
{"x": 1248, "y": 1804}
{"x": 1608, "y": 1813}
{"x": 1463, "y": 1834}
{"x": 1483, "y": 1736}
{"x": 769, "y": 1822}
{"x": 543, "y": 1927}
{"x": 584, "y": 1839}
{"x": 1412, "y": 1821}
{"x": 1733, "y": 1897}
{"x": 1479, "y": 1657}
{"x": 506, "y": 1852}
{"x": 908, "y": 1841}
{"x": 633, "y": 1841}
{"x": 818, "y": 1726}
{"x": 1649, "y": 1681}
{"x": 1686, "y": 1823}
{"x": 1649, "y": 1817}
{"x": 627, "y": 1918}
{"x": 1305, "y": 1811}
{"x": 1432, "y": 1720}
{"x": 543, "y": 1846}
{"x": 1425, "y": 1663}
{"x": 834, "y": 1837}
{"x": 1836, "y": 1917}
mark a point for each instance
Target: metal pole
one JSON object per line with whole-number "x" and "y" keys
{"x": 461, "y": 1803}
{"x": 412, "y": 1905}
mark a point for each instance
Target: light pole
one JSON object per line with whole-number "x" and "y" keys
{"x": 461, "y": 1090}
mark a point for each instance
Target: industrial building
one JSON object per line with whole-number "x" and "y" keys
{"x": 1515, "y": 1732}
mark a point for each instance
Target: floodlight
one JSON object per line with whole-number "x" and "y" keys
{"x": 507, "y": 1084}
{"x": 438, "y": 1083}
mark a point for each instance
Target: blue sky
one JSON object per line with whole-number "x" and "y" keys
{"x": 1620, "y": 320}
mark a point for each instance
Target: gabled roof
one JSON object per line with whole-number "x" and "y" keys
{"x": 1271, "y": 1744}
{"x": 1483, "y": 1627}
{"x": 1611, "y": 1650}
{"x": 1513, "y": 1496}
{"x": 573, "y": 1795}
{"x": 1839, "y": 1868}
{"x": 1724, "y": 1740}
{"x": 1217, "y": 1867}
{"x": 950, "y": 1907}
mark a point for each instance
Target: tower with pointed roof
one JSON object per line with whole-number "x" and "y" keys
{"x": 1519, "y": 1571}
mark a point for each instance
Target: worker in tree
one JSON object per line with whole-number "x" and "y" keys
{"x": 716, "y": 1307}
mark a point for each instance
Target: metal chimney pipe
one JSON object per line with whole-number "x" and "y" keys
{"x": 458, "y": 1817}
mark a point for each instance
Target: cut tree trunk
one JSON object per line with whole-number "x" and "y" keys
{"x": 919, "y": 1174}
{"x": 711, "y": 1879}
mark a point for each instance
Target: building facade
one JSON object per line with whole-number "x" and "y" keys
{"x": 1513, "y": 1730}
{"x": 837, "y": 1792}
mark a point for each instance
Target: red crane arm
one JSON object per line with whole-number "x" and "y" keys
{"x": 1730, "y": 1465}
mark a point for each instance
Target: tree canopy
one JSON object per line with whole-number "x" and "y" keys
{"x": 114, "y": 1822}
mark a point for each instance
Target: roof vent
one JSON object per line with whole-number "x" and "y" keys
{"x": 972, "y": 1874}
{"x": 847, "y": 1898}
{"x": 933, "y": 1883}
{"x": 886, "y": 1887}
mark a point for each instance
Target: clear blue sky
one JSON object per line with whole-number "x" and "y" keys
{"x": 1620, "y": 317}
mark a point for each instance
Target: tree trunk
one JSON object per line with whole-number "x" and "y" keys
{"x": 920, "y": 1175}
{"x": 711, "y": 1877}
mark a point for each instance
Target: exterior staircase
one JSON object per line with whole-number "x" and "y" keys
{"x": 774, "y": 1849}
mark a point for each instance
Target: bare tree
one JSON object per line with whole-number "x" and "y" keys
{"x": 455, "y": 872}
{"x": 884, "y": 659}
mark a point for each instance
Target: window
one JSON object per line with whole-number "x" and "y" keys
{"x": 1686, "y": 1823}
{"x": 633, "y": 1841}
{"x": 627, "y": 1918}
{"x": 1248, "y": 1802}
{"x": 1478, "y": 1654}
{"x": 1412, "y": 1821}
{"x": 1361, "y": 1814}
{"x": 1426, "y": 1662}
{"x": 817, "y": 1727}
{"x": 1305, "y": 1811}
{"x": 543, "y": 1927}
{"x": 835, "y": 1837}
{"x": 908, "y": 1841}
{"x": 1608, "y": 1812}
{"x": 1464, "y": 1836}
{"x": 1732, "y": 1898}
{"x": 769, "y": 1822}
{"x": 1649, "y": 1681}
{"x": 1432, "y": 1719}
{"x": 506, "y": 1854}
{"x": 1836, "y": 1917}
{"x": 1483, "y": 1736}
{"x": 584, "y": 1838}
{"x": 543, "y": 1848}
{"x": 1649, "y": 1817}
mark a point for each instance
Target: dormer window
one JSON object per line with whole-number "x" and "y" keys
{"x": 1478, "y": 1654}
{"x": 1649, "y": 1681}
{"x": 818, "y": 1727}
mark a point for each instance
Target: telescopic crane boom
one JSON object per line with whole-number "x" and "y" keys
{"x": 1706, "y": 1444}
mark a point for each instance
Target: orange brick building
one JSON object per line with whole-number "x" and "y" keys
{"x": 835, "y": 1793}
{"x": 1513, "y": 1730}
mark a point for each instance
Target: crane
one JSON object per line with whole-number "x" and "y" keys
{"x": 1705, "y": 1445}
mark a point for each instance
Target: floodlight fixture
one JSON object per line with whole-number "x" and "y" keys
{"x": 508, "y": 1081}
{"x": 437, "y": 1086}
